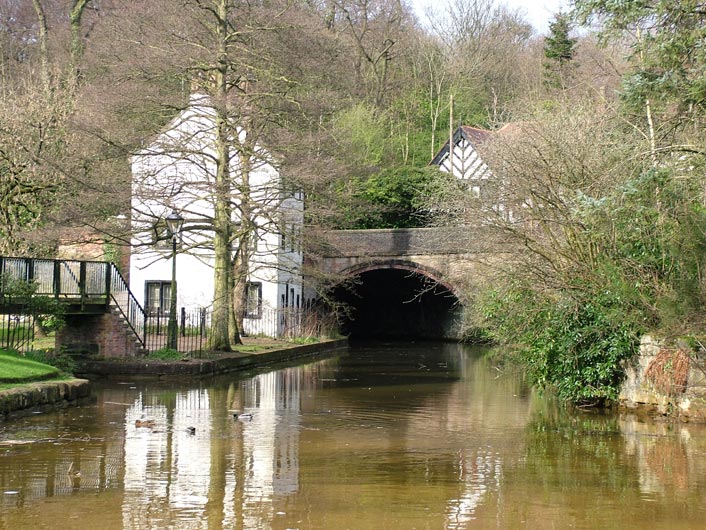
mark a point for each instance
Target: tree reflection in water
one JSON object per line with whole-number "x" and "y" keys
{"x": 399, "y": 436}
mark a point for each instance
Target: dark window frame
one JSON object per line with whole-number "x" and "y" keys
{"x": 249, "y": 287}
{"x": 164, "y": 301}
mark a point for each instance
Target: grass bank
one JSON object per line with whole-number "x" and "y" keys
{"x": 250, "y": 345}
{"x": 16, "y": 369}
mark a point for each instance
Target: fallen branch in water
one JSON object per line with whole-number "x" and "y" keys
{"x": 60, "y": 439}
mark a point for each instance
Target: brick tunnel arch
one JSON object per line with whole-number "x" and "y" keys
{"x": 397, "y": 299}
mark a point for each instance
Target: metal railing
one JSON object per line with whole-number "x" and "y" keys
{"x": 126, "y": 303}
{"x": 100, "y": 283}
{"x": 16, "y": 332}
{"x": 193, "y": 328}
{"x": 78, "y": 282}
{"x": 288, "y": 322}
{"x": 72, "y": 280}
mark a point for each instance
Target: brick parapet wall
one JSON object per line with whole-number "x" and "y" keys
{"x": 408, "y": 241}
{"x": 105, "y": 335}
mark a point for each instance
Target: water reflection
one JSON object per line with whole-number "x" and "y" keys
{"x": 186, "y": 451}
{"x": 669, "y": 456}
{"x": 166, "y": 466}
{"x": 478, "y": 473}
{"x": 428, "y": 436}
{"x": 270, "y": 459}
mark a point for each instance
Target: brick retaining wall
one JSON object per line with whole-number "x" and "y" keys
{"x": 106, "y": 335}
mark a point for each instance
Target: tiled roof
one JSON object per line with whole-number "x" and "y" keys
{"x": 477, "y": 137}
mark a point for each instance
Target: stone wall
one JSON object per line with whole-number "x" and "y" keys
{"x": 461, "y": 258}
{"x": 42, "y": 396}
{"x": 408, "y": 241}
{"x": 670, "y": 381}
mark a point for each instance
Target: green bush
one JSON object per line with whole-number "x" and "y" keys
{"x": 61, "y": 360}
{"x": 573, "y": 346}
{"x": 166, "y": 354}
{"x": 48, "y": 311}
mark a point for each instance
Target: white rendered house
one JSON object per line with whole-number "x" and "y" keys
{"x": 177, "y": 172}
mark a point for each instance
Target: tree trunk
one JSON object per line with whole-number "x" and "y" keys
{"x": 43, "y": 47}
{"x": 241, "y": 265}
{"x": 220, "y": 323}
{"x": 76, "y": 45}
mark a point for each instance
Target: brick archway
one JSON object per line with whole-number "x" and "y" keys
{"x": 399, "y": 264}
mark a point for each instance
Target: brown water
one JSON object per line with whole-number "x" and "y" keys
{"x": 428, "y": 436}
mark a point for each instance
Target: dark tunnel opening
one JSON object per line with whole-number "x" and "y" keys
{"x": 397, "y": 304}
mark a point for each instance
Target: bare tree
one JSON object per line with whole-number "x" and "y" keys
{"x": 485, "y": 46}
{"x": 247, "y": 63}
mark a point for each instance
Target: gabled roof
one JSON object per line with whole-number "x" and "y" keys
{"x": 476, "y": 136}
{"x": 473, "y": 135}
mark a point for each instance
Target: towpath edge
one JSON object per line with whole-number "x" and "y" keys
{"x": 42, "y": 396}
{"x": 229, "y": 362}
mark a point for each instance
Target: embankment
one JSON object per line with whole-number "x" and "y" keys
{"x": 42, "y": 396}
{"x": 231, "y": 362}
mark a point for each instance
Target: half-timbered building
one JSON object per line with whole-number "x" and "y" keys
{"x": 463, "y": 158}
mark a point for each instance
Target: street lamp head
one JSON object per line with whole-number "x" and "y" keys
{"x": 174, "y": 223}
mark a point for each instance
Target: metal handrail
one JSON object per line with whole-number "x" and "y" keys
{"x": 85, "y": 280}
{"x": 129, "y": 307}
{"x": 58, "y": 277}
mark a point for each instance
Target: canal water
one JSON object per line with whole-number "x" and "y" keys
{"x": 385, "y": 436}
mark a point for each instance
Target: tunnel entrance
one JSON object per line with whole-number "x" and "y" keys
{"x": 394, "y": 303}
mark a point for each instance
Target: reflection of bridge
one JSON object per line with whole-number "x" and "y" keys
{"x": 390, "y": 270}
{"x": 100, "y": 311}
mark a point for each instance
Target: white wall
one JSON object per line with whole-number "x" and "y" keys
{"x": 167, "y": 177}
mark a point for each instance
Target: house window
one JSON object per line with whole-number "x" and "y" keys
{"x": 157, "y": 297}
{"x": 253, "y": 302}
{"x": 290, "y": 238}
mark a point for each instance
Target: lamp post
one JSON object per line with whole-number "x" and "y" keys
{"x": 174, "y": 223}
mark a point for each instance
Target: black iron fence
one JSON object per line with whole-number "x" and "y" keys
{"x": 287, "y": 323}
{"x": 193, "y": 328}
{"x": 98, "y": 282}
{"x": 16, "y": 332}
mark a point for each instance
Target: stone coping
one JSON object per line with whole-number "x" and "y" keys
{"x": 229, "y": 362}
{"x": 42, "y": 396}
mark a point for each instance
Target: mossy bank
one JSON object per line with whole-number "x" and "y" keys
{"x": 42, "y": 397}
